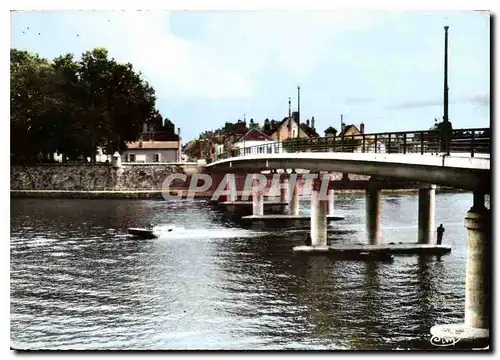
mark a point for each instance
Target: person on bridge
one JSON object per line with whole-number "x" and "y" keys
{"x": 440, "y": 231}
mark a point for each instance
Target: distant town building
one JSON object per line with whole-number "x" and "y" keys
{"x": 151, "y": 152}
{"x": 254, "y": 142}
{"x": 331, "y": 132}
{"x": 158, "y": 143}
{"x": 352, "y": 131}
{"x": 288, "y": 129}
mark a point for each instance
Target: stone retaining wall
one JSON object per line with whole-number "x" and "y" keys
{"x": 99, "y": 177}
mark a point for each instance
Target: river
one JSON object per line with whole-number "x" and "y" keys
{"x": 78, "y": 282}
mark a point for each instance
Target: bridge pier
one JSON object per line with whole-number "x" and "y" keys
{"x": 233, "y": 194}
{"x": 294, "y": 194}
{"x": 474, "y": 332}
{"x": 426, "y": 214}
{"x": 319, "y": 210}
{"x": 257, "y": 199}
{"x": 373, "y": 216}
{"x": 284, "y": 190}
{"x": 331, "y": 201}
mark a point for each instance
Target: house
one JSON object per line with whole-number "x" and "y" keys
{"x": 212, "y": 144}
{"x": 193, "y": 150}
{"x": 309, "y": 129}
{"x": 330, "y": 132}
{"x": 158, "y": 143}
{"x": 288, "y": 129}
{"x": 352, "y": 137}
{"x": 255, "y": 142}
{"x": 152, "y": 152}
{"x": 352, "y": 131}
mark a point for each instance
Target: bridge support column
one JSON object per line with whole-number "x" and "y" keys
{"x": 294, "y": 194}
{"x": 257, "y": 199}
{"x": 426, "y": 214}
{"x": 232, "y": 196}
{"x": 373, "y": 216}
{"x": 331, "y": 201}
{"x": 319, "y": 210}
{"x": 474, "y": 332}
{"x": 284, "y": 190}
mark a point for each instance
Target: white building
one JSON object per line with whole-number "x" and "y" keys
{"x": 256, "y": 142}
{"x": 152, "y": 152}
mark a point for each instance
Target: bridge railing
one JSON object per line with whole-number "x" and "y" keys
{"x": 472, "y": 141}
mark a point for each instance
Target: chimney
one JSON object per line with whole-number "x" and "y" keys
{"x": 307, "y": 122}
{"x": 312, "y": 124}
{"x": 362, "y": 128}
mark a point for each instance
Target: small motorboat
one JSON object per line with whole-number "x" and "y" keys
{"x": 142, "y": 233}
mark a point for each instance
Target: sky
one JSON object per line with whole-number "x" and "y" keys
{"x": 384, "y": 69}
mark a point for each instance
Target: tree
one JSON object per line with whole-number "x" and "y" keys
{"x": 74, "y": 107}
{"x": 71, "y": 139}
{"x": 118, "y": 101}
{"x": 34, "y": 103}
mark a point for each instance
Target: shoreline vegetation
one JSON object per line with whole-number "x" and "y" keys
{"x": 157, "y": 194}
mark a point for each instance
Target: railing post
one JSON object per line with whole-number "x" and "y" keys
{"x": 363, "y": 142}
{"x": 404, "y": 143}
{"x": 389, "y": 144}
{"x": 472, "y": 144}
{"x": 342, "y": 143}
{"x": 376, "y": 143}
{"x": 333, "y": 146}
{"x": 422, "y": 143}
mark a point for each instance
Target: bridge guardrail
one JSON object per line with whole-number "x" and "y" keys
{"x": 472, "y": 141}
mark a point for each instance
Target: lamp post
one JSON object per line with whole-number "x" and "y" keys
{"x": 298, "y": 110}
{"x": 445, "y": 98}
{"x": 446, "y": 128}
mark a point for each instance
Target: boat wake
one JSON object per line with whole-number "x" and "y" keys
{"x": 168, "y": 231}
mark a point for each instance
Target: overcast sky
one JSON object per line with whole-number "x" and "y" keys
{"x": 383, "y": 69}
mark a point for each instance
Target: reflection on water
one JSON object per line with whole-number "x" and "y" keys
{"x": 78, "y": 282}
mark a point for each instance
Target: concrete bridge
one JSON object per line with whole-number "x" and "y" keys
{"x": 460, "y": 159}
{"x": 457, "y": 171}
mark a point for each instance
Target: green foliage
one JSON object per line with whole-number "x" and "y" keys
{"x": 72, "y": 107}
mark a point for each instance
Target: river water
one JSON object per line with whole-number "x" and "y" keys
{"x": 78, "y": 282}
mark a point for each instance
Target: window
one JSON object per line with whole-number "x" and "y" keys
{"x": 293, "y": 133}
{"x": 131, "y": 157}
{"x": 156, "y": 157}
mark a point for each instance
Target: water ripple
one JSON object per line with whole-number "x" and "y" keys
{"x": 78, "y": 281}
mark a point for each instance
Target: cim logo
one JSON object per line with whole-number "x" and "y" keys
{"x": 445, "y": 340}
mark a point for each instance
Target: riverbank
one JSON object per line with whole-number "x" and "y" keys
{"x": 157, "y": 194}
